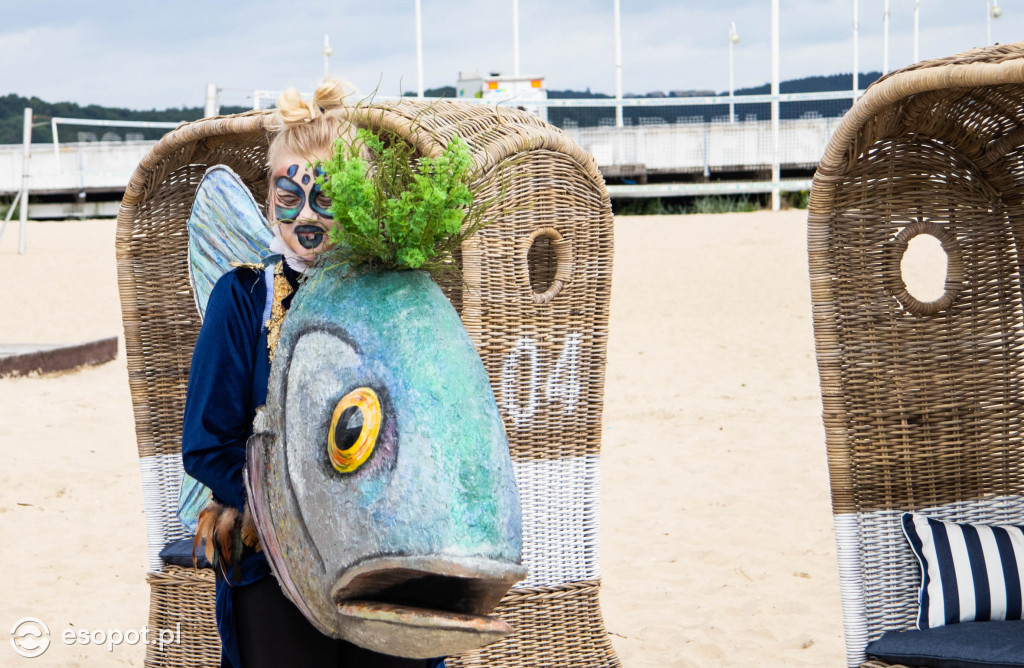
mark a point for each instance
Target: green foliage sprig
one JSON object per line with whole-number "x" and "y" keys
{"x": 398, "y": 211}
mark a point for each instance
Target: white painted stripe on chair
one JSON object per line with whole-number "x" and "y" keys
{"x": 161, "y": 478}
{"x": 851, "y": 588}
{"x": 560, "y": 502}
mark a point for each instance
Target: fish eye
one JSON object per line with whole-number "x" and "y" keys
{"x": 354, "y": 428}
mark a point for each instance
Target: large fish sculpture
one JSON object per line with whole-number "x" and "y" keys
{"x": 378, "y": 473}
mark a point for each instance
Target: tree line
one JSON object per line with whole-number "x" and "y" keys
{"x": 12, "y": 109}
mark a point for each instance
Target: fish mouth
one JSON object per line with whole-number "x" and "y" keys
{"x": 423, "y": 607}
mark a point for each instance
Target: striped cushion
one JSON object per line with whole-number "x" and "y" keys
{"x": 969, "y": 572}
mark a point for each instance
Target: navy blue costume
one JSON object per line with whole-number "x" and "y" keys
{"x": 227, "y": 382}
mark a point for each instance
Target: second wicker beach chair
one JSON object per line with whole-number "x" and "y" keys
{"x": 923, "y": 401}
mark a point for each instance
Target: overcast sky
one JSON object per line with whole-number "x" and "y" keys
{"x": 145, "y": 54}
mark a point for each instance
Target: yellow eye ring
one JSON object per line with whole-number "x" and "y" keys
{"x": 347, "y": 450}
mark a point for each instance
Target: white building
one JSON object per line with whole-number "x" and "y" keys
{"x": 515, "y": 91}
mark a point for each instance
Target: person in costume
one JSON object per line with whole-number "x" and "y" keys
{"x": 258, "y": 625}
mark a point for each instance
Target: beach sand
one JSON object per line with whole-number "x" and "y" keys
{"x": 717, "y": 543}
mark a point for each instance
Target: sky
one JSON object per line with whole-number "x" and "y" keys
{"x": 145, "y": 54}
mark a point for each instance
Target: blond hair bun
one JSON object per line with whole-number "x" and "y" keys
{"x": 330, "y": 94}
{"x": 293, "y": 110}
{"x": 311, "y": 127}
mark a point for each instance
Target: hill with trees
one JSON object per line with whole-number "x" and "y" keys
{"x": 12, "y": 110}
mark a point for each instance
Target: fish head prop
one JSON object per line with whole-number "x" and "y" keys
{"x": 379, "y": 473}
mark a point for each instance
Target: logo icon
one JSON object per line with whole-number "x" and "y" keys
{"x": 30, "y": 637}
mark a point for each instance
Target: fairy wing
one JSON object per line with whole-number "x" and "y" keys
{"x": 225, "y": 227}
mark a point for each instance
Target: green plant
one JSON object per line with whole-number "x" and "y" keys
{"x": 640, "y": 206}
{"x": 395, "y": 210}
{"x": 798, "y": 200}
{"x": 653, "y": 206}
{"x": 723, "y": 204}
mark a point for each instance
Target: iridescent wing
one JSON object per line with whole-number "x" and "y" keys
{"x": 225, "y": 227}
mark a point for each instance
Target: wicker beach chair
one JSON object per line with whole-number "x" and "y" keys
{"x": 923, "y": 401}
{"x": 539, "y": 281}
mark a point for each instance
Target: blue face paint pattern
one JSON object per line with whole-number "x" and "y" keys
{"x": 317, "y": 201}
{"x": 294, "y": 192}
{"x": 286, "y": 213}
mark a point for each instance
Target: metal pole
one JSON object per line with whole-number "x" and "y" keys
{"x": 732, "y": 90}
{"x": 856, "y": 39}
{"x": 328, "y": 52}
{"x": 419, "y": 50}
{"x": 994, "y": 12}
{"x": 212, "y": 108}
{"x": 515, "y": 36}
{"x": 917, "y": 6}
{"x": 56, "y": 148}
{"x": 618, "y": 67}
{"x": 26, "y": 153}
{"x": 776, "y": 171}
{"x": 885, "y": 38}
{"x": 733, "y": 38}
{"x": 988, "y": 22}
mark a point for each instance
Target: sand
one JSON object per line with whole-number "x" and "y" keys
{"x": 717, "y": 543}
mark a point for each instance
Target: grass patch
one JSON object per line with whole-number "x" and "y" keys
{"x": 655, "y": 206}
{"x": 724, "y": 204}
{"x": 797, "y": 200}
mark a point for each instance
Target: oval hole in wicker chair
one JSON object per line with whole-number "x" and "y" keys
{"x": 924, "y": 267}
{"x": 548, "y": 264}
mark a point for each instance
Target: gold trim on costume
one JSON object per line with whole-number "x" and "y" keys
{"x": 282, "y": 288}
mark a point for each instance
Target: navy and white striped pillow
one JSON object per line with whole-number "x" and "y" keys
{"x": 969, "y": 572}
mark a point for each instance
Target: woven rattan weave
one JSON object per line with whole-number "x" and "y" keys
{"x": 535, "y": 302}
{"x": 922, "y": 400}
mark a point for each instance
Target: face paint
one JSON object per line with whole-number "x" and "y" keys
{"x": 310, "y": 236}
{"x": 289, "y": 196}
{"x": 300, "y": 206}
{"x": 319, "y": 202}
